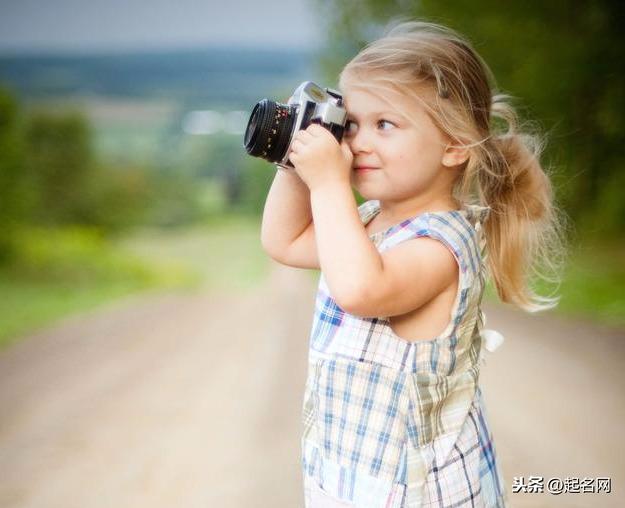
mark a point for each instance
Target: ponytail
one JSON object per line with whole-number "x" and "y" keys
{"x": 524, "y": 230}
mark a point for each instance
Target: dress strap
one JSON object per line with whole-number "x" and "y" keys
{"x": 477, "y": 213}
{"x": 367, "y": 210}
{"x": 491, "y": 339}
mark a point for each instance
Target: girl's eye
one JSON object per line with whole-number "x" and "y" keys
{"x": 381, "y": 122}
{"x": 350, "y": 127}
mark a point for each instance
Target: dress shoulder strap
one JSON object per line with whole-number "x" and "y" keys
{"x": 454, "y": 228}
{"x": 368, "y": 210}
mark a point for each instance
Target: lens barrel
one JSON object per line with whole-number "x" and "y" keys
{"x": 269, "y": 130}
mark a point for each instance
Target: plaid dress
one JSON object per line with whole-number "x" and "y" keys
{"x": 392, "y": 423}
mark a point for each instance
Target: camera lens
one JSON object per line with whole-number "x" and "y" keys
{"x": 268, "y": 131}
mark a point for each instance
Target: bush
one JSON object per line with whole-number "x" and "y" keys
{"x": 78, "y": 255}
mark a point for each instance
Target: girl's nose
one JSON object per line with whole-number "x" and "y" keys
{"x": 359, "y": 142}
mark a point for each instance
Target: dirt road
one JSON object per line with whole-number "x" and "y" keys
{"x": 193, "y": 400}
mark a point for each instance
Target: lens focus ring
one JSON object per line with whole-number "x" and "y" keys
{"x": 268, "y": 131}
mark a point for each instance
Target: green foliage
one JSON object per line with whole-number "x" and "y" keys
{"x": 592, "y": 284}
{"x": 174, "y": 200}
{"x": 66, "y": 255}
{"x": 75, "y": 256}
{"x": 115, "y": 199}
{"x": 13, "y": 188}
{"x": 257, "y": 175}
{"x": 49, "y": 176}
{"x": 59, "y": 164}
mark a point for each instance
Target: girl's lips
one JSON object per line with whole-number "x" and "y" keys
{"x": 364, "y": 168}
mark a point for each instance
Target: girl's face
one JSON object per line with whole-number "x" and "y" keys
{"x": 394, "y": 158}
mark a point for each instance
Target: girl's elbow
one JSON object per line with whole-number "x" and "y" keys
{"x": 275, "y": 254}
{"x": 271, "y": 243}
{"x": 282, "y": 259}
{"x": 357, "y": 301}
{"x": 267, "y": 247}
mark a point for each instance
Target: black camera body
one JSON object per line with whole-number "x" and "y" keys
{"x": 271, "y": 126}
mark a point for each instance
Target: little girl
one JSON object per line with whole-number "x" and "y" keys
{"x": 393, "y": 413}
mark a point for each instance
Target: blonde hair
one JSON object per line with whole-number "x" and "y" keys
{"x": 524, "y": 230}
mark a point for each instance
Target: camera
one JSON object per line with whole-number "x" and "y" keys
{"x": 271, "y": 126}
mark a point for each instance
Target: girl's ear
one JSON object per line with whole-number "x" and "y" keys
{"x": 454, "y": 155}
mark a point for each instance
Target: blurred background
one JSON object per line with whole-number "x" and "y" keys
{"x": 130, "y": 246}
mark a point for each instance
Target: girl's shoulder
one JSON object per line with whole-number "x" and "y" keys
{"x": 459, "y": 230}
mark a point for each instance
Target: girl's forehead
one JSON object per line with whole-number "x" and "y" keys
{"x": 363, "y": 99}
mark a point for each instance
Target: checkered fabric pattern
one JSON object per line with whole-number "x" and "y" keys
{"x": 395, "y": 423}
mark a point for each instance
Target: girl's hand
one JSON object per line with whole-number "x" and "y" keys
{"x": 319, "y": 158}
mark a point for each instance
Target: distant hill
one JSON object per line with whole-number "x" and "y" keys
{"x": 234, "y": 78}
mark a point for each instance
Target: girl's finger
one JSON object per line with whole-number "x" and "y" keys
{"x": 302, "y": 136}
{"x": 314, "y": 129}
{"x": 296, "y": 143}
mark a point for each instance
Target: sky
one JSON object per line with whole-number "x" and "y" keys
{"x": 103, "y": 25}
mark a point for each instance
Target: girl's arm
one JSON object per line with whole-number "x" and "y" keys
{"x": 347, "y": 256}
{"x": 363, "y": 281}
{"x": 287, "y": 232}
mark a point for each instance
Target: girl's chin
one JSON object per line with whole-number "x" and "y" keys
{"x": 366, "y": 188}
{"x": 365, "y": 192}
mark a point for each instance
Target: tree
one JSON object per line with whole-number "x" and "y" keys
{"x": 59, "y": 163}
{"x": 14, "y": 193}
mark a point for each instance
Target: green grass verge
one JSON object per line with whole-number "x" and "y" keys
{"x": 64, "y": 272}
{"x": 26, "y": 305}
{"x": 225, "y": 252}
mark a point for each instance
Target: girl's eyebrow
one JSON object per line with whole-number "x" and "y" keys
{"x": 374, "y": 114}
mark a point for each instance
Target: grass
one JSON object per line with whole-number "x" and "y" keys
{"x": 225, "y": 252}
{"x": 66, "y": 272}
{"x": 26, "y": 306}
